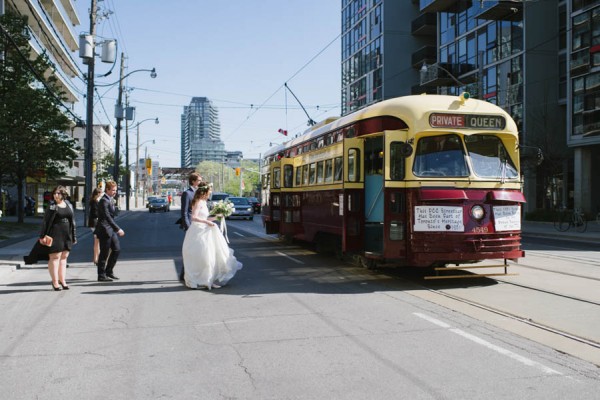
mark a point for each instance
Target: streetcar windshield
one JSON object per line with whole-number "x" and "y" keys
{"x": 440, "y": 156}
{"x": 489, "y": 157}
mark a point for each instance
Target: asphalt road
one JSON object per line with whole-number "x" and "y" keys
{"x": 291, "y": 325}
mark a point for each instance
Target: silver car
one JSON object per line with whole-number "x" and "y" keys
{"x": 216, "y": 197}
{"x": 241, "y": 208}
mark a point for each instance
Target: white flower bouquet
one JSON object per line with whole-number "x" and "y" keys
{"x": 222, "y": 209}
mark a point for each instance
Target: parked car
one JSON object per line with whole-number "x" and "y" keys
{"x": 255, "y": 204}
{"x": 159, "y": 204}
{"x": 214, "y": 197}
{"x": 241, "y": 208}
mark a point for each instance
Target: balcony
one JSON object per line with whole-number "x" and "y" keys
{"x": 426, "y": 54}
{"x": 437, "y": 75}
{"x": 445, "y": 74}
{"x": 502, "y": 11}
{"x": 424, "y": 25}
{"x": 433, "y": 6}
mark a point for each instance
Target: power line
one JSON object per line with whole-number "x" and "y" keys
{"x": 282, "y": 85}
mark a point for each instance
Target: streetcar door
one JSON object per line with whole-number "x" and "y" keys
{"x": 374, "y": 195}
{"x": 398, "y": 152}
{"x": 353, "y": 196}
{"x": 272, "y": 219}
{"x": 290, "y": 201}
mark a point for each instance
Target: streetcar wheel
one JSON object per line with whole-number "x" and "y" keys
{"x": 368, "y": 263}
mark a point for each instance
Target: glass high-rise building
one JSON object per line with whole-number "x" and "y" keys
{"x": 200, "y": 133}
{"x": 376, "y": 51}
{"x": 539, "y": 60}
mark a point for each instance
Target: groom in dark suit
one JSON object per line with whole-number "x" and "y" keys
{"x": 107, "y": 231}
{"x": 186, "y": 206}
{"x": 186, "y": 200}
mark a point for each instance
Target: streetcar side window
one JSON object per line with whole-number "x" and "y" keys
{"x": 397, "y": 161}
{"x": 353, "y": 165}
{"x": 299, "y": 176}
{"x": 288, "y": 176}
{"x": 277, "y": 177}
{"x": 338, "y": 169}
{"x": 312, "y": 173}
{"x": 305, "y": 174}
{"x": 320, "y": 165}
{"x": 265, "y": 180}
{"x": 328, "y": 171}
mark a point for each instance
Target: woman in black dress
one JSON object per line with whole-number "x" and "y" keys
{"x": 93, "y": 219}
{"x": 58, "y": 233}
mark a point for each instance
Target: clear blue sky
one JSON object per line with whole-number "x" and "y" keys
{"x": 238, "y": 53}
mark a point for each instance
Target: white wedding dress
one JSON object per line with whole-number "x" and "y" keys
{"x": 207, "y": 259}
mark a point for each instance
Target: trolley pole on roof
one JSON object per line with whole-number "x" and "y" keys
{"x": 311, "y": 122}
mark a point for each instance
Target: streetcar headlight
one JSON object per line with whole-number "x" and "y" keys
{"x": 477, "y": 212}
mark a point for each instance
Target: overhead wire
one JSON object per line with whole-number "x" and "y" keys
{"x": 255, "y": 110}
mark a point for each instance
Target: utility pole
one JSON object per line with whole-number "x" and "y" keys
{"x": 128, "y": 176}
{"x": 119, "y": 115}
{"x": 89, "y": 126}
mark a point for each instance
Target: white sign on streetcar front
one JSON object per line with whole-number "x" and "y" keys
{"x": 507, "y": 218}
{"x": 439, "y": 219}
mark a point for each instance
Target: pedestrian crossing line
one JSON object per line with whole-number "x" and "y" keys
{"x": 491, "y": 346}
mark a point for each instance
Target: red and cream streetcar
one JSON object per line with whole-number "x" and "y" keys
{"x": 427, "y": 180}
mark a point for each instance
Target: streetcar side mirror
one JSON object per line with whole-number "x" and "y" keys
{"x": 405, "y": 150}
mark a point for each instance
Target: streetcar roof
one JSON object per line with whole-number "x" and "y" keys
{"x": 413, "y": 110}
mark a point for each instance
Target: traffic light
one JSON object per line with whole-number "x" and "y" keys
{"x": 149, "y": 166}
{"x": 238, "y": 170}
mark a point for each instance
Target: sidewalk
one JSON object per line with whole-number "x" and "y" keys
{"x": 546, "y": 229}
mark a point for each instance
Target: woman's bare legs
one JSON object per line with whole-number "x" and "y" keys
{"x": 62, "y": 269}
{"x": 96, "y": 249}
{"x": 53, "y": 268}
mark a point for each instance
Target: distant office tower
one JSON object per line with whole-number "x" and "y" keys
{"x": 200, "y": 133}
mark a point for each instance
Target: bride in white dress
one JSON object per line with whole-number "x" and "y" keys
{"x": 208, "y": 260}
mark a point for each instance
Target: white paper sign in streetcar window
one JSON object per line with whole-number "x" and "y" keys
{"x": 439, "y": 219}
{"x": 507, "y": 218}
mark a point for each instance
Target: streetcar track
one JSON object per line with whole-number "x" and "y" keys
{"x": 524, "y": 320}
{"x": 558, "y": 272}
{"x": 581, "y": 260}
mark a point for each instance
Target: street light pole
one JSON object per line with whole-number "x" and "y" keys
{"x": 89, "y": 125}
{"x": 119, "y": 115}
{"x": 137, "y": 158}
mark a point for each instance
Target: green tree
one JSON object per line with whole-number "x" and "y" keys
{"x": 32, "y": 125}
{"x": 106, "y": 165}
{"x": 224, "y": 179}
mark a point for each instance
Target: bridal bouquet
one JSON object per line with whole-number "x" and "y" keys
{"x": 222, "y": 209}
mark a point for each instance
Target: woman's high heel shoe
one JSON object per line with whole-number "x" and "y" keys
{"x": 56, "y": 288}
{"x": 65, "y": 287}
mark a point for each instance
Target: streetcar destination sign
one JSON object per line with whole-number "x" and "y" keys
{"x": 473, "y": 121}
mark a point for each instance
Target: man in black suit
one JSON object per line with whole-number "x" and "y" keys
{"x": 108, "y": 233}
{"x": 186, "y": 200}
{"x": 186, "y": 207}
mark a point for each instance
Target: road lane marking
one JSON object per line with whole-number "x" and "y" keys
{"x": 291, "y": 258}
{"x": 491, "y": 346}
